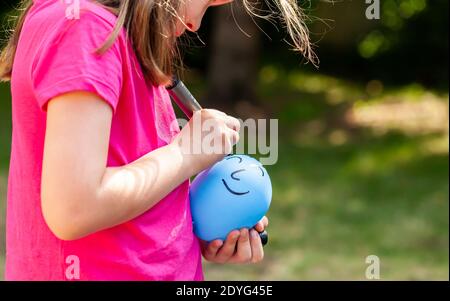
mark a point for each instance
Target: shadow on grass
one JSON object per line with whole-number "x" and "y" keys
{"x": 334, "y": 205}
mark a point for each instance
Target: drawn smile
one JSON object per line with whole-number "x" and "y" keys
{"x": 232, "y": 191}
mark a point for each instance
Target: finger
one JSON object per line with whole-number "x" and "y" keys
{"x": 262, "y": 224}
{"x": 256, "y": 247}
{"x": 229, "y": 138}
{"x": 227, "y": 250}
{"x": 265, "y": 221}
{"x": 233, "y": 136}
{"x": 215, "y": 112}
{"x": 212, "y": 248}
{"x": 259, "y": 226}
{"x": 244, "y": 252}
{"x": 232, "y": 123}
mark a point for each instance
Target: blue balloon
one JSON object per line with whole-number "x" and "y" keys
{"x": 234, "y": 193}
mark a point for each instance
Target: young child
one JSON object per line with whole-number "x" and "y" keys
{"x": 98, "y": 184}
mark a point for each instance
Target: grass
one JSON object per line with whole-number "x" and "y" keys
{"x": 5, "y": 146}
{"x": 342, "y": 190}
{"x": 333, "y": 206}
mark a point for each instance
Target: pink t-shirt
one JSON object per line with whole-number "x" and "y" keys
{"x": 56, "y": 55}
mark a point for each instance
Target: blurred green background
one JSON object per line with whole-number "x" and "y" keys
{"x": 363, "y": 140}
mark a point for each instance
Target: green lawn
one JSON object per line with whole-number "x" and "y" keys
{"x": 342, "y": 190}
{"x": 3, "y": 183}
{"x": 5, "y": 142}
{"x": 333, "y": 206}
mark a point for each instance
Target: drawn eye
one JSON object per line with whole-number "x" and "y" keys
{"x": 235, "y": 157}
{"x": 235, "y": 172}
{"x": 262, "y": 170}
{"x": 259, "y": 167}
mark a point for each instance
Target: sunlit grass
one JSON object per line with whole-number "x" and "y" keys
{"x": 344, "y": 189}
{"x": 328, "y": 213}
{"x": 5, "y": 146}
{"x": 3, "y": 186}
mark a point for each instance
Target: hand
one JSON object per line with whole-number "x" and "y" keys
{"x": 241, "y": 246}
{"x": 207, "y": 138}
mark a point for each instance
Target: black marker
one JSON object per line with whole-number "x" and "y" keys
{"x": 183, "y": 97}
{"x": 188, "y": 104}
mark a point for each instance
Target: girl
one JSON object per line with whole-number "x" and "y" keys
{"x": 98, "y": 184}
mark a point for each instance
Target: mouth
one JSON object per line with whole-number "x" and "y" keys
{"x": 233, "y": 191}
{"x": 181, "y": 31}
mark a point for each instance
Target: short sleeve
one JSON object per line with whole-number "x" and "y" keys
{"x": 69, "y": 62}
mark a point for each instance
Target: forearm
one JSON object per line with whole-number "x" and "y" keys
{"x": 128, "y": 191}
{"x": 116, "y": 195}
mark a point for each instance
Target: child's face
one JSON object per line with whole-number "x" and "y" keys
{"x": 192, "y": 11}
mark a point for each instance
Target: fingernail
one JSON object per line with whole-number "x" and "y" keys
{"x": 254, "y": 233}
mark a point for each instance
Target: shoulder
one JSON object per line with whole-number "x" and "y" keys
{"x": 87, "y": 9}
{"x": 81, "y": 24}
{"x": 56, "y": 15}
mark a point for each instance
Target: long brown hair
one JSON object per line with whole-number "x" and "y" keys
{"x": 150, "y": 24}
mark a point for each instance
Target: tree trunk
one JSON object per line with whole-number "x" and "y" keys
{"x": 233, "y": 59}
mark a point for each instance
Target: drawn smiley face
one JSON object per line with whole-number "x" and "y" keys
{"x": 235, "y": 174}
{"x": 234, "y": 193}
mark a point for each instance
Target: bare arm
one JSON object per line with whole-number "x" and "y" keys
{"x": 80, "y": 195}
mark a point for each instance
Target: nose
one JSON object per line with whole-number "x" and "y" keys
{"x": 198, "y": 24}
